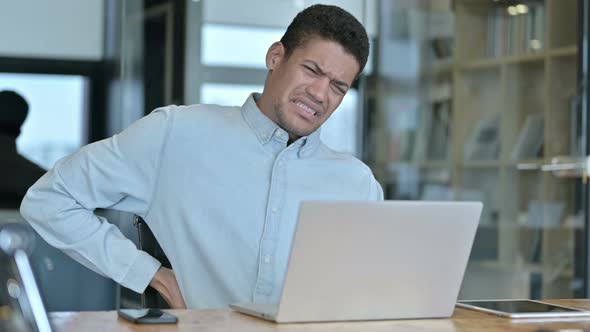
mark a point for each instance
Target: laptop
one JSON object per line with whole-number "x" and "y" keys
{"x": 21, "y": 305}
{"x": 354, "y": 261}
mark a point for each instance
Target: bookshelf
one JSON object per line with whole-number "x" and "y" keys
{"x": 510, "y": 112}
{"x": 500, "y": 73}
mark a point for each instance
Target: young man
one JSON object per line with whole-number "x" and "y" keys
{"x": 219, "y": 187}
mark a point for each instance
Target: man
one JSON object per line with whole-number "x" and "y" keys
{"x": 219, "y": 187}
{"x": 18, "y": 173}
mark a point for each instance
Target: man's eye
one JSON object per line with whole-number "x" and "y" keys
{"x": 338, "y": 89}
{"x": 311, "y": 70}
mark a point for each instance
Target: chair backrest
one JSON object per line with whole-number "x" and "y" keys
{"x": 148, "y": 243}
{"x": 21, "y": 304}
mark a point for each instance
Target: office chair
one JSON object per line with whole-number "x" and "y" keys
{"x": 65, "y": 284}
{"x": 21, "y": 305}
{"x": 148, "y": 243}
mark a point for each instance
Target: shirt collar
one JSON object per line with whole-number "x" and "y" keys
{"x": 265, "y": 128}
{"x": 262, "y": 126}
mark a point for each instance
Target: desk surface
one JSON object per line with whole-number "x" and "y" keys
{"x": 217, "y": 320}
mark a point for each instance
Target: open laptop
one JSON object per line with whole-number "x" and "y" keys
{"x": 374, "y": 261}
{"x": 21, "y": 305}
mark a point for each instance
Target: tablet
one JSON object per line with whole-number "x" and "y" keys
{"x": 522, "y": 309}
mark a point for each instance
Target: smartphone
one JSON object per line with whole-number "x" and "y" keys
{"x": 147, "y": 316}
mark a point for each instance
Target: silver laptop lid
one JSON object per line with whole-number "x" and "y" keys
{"x": 21, "y": 306}
{"x": 377, "y": 260}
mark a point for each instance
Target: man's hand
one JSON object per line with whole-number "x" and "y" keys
{"x": 165, "y": 283}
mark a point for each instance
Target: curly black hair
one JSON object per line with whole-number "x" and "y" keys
{"x": 331, "y": 23}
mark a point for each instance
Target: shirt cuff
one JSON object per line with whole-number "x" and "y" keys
{"x": 141, "y": 272}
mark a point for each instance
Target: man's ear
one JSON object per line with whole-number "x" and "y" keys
{"x": 275, "y": 54}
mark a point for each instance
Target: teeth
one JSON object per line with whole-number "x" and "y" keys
{"x": 306, "y": 108}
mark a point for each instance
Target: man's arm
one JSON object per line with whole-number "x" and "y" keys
{"x": 118, "y": 173}
{"x": 375, "y": 189}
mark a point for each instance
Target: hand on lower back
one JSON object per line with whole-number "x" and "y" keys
{"x": 166, "y": 284}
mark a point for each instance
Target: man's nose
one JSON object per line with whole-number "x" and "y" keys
{"x": 318, "y": 89}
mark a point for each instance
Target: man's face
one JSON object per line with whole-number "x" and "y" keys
{"x": 304, "y": 89}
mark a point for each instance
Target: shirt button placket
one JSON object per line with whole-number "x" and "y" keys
{"x": 265, "y": 282}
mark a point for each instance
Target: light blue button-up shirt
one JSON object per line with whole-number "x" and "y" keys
{"x": 218, "y": 186}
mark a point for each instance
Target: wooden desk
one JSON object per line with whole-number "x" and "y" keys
{"x": 226, "y": 320}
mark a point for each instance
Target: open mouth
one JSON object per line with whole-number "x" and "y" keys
{"x": 305, "y": 108}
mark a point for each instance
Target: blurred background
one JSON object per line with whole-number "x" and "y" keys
{"x": 472, "y": 100}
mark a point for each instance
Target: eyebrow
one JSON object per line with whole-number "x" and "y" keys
{"x": 321, "y": 71}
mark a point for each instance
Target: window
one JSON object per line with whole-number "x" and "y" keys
{"x": 56, "y": 124}
{"x": 227, "y": 94}
{"x": 250, "y": 45}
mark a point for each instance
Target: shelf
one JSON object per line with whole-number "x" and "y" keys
{"x": 424, "y": 164}
{"x": 527, "y": 161}
{"x": 525, "y": 58}
{"x": 527, "y": 165}
{"x": 481, "y": 64}
{"x": 517, "y": 59}
{"x": 529, "y": 267}
{"x": 481, "y": 163}
{"x": 435, "y": 164}
{"x": 534, "y": 164}
{"x": 537, "y": 268}
{"x": 509, "y": 59}
{"x": 554, "y": 229}
{"x": 564, "y": 51}
{"x": 445, "y": 68}
{"x": 521, "y": 165}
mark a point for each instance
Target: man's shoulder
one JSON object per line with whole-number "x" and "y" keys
{"x": 202, "y": 116}
{"x": 200, "y": 110}
{"x": 343, "y": 158}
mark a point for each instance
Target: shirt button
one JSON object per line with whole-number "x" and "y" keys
{"x": 267, "y": 259}
{"x": 274, "y": 210}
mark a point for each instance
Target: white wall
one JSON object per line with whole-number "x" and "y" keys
{"x": 55, "y": 29}
{"x": 279, "y": 13}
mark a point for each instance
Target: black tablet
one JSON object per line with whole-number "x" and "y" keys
{"x": 523, "y": 309}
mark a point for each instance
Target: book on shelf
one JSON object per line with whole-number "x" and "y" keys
{"x": 422, "y": 127}
{"x": 402, "y": 127}
{"x": 440, "y": 129}
{"x": 432, "y": 136}
{"x": 516, "y": 29}
{"x": 544, "y": 214}
{"x": 484, "y": 141}
{"x": 530, "y": 139}
{"x": 405, "y": 144}
{"x": 442, "y": 48}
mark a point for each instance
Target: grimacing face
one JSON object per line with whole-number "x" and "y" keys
{"x": 302, "y": 91}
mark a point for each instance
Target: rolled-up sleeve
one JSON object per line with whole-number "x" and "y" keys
{"x": 117, "y": 173}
